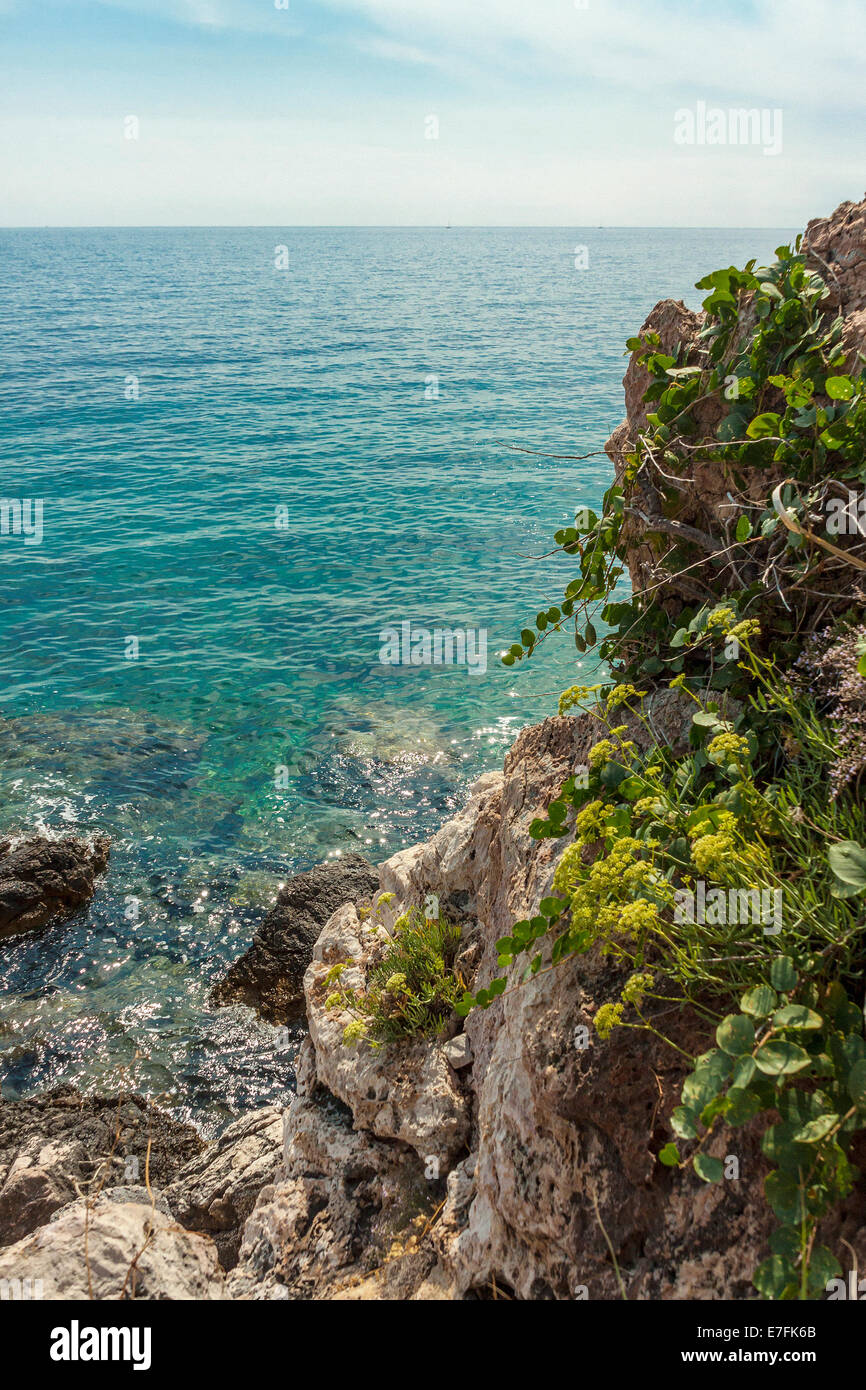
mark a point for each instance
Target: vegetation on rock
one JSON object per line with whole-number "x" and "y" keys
{"x": 730, "y": 877}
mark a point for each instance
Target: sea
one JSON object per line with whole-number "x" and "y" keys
{"x": 245, "y": 457}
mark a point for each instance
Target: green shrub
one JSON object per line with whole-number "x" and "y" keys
{"x": 412, "y": 989}
{"x": 756, "y": 817}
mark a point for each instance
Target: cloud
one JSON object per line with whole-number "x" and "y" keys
{"x": 773, "y": 50}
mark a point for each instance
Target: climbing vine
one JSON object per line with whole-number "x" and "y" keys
{"x": 749, "y": 820}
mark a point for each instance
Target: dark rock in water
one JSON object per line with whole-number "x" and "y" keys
{"x": 41, "y": 879}
{"x": 55, "y": 1144}
{"x": 270, "y": 975}
{"x": 216, "y": 1190}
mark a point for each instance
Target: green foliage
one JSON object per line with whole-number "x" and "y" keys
{"x": 788, "y": 404}
{"x": 746, "y": 815}
{"x": 412, "y": 989}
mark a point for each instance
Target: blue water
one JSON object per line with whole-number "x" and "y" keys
{"x": 369, "y": 391}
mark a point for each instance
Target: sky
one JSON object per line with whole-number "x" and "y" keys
{"x": 420, "y": 112}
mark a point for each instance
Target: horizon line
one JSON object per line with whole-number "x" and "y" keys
{"x": 390, "y": 226}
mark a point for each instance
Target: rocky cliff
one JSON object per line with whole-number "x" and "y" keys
{"x": 514, "y": 1156}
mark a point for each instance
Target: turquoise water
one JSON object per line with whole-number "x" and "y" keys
{"x": 367, "y": 391}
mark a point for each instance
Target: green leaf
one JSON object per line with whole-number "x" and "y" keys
{"x": 848, "y": 863}
{"x": 684, "y": 1123}
{"x": 744, "y": 1071}
{"x": 774, "y": 1277}
{"x": 705, "y": 719}
{"x": 670, "y": 1156}
{"x": 744, "y": 529}
{"x": 783, "y": 976}
{"x": 759, "y": 1002}
{"x": 785, "y": 1241}
{"x": 764, "y": 425}
{"x": 857, "y": 1083}
{"x": 816, "y": 1130}
{"x": 781, "y": 1059}
{"x": 839, "y": 388}
{"x": 742, "y": 1106}
{"x": 823, "y": 1266}
{"x": 735, "y": 1035}
{"x": 552, "y": 907}
{"x": 709, "y": 1169}
{"x": 798, "y": 1017}
{"x": 783, "y": 1193}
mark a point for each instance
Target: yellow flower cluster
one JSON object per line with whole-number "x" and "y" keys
{"x": 636, "y": 987}
{"x": 590, "y": 822}
{"x": 607, "y": 750}
{"x": 713, "y": 847}
{"x": 745, "y": 630}
{"x": 575, "y": 695}
{"x": 724, "y": 618}
{"x": 354, "y": 1031}
{"x": 728, "y": 748}
{"x": 608, "y": 1018}
{"x": 619, "y": 895}
{"x": 623, "y": 693}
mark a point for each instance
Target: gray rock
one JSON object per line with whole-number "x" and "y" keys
{"x": 42, "y": 879}
{"x": 60, "y": 1143}
{"x": 114, "y": 1250}
{"x": 216, "y": 1191}
{"x": 458, "y": 1052}
{"x": 270, "y": 975}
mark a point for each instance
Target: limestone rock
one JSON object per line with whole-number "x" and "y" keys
{"x": 114, "y": 1250}
{"x": 216, "y": 1190}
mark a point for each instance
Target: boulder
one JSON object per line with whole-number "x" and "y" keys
{"x": 56, "y": 1144}
{"x": 269, "y": 977}
{"x": 114, "y": 1250}
{"x": 404, "y": 1090}
{"x": 42, "y": 879}
{"x": 216, "y": 1190}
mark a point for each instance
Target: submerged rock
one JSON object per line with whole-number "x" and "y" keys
{"x": 42, "y": 879}
{"x": 270, "y": 975}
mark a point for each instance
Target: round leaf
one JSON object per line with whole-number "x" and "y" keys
{"x": 710, "y": 1169}
{"x": 735, "y": 1035}
{"x": 759, "y": 1002}
{"x": 816, "y": 1130}
{"x": 783, "y": 976}
{"x": 774, "y": 1276}
{"x": 857, "y": 1083}
{"x": 797, "y": 1016}
{"x": 781, "y": 1059}
{"x": 848, "y": 863}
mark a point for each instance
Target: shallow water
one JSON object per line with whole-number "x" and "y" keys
{"x": 365, "y": 391}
